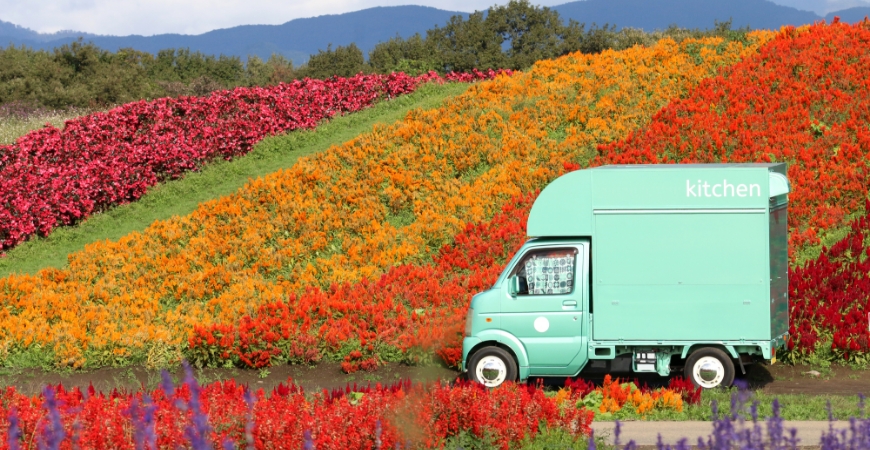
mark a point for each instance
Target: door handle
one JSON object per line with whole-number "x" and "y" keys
{"x": 569, "y": 303}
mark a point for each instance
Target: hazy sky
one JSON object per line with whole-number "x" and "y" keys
{"x": 147, "y": 17}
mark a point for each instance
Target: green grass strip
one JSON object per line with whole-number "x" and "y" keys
{"x": 219, "y": 178}
{"x": 12, "y": 128}
{"x": 792, "y": 407}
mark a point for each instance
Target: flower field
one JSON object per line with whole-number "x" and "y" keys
{"x": 281, "y": 270}
{"x": 370, "y": 251}
{"x": 133, "y": 147}
{"x": 227, "y": 415}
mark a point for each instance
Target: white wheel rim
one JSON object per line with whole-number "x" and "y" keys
{"x": 708, "y": 372}
{"x": 491, "y": 371}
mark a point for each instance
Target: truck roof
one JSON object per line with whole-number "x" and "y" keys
{"x": 566, "y": 207}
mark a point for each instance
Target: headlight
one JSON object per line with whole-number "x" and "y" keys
{"x": 468, "y": 318}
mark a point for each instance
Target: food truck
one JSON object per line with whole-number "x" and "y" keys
{"x": 641, "y": 268}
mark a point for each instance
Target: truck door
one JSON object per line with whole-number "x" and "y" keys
{"x": 546, "y": 314}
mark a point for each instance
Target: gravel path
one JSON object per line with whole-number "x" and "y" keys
{"x": 647, "y": 432}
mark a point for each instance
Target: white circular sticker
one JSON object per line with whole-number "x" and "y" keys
{"x": 542, "y": 324}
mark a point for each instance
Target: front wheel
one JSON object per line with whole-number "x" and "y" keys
{"x": 492, "y": 366}
{"x": 709, "y": 367}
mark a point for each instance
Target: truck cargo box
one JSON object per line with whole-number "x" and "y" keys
{"x": 679, "y": 252}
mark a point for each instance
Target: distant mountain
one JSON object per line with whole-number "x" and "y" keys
{"x": 850, "y": 15}
{"x": 10, "y": 30}
{"x": 701, "y": 14}
{"x": 823, "y": 7}
{"x": 295, "y": 40}
{"x": 300, "y": 38}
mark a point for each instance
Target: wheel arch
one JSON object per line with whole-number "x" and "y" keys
{"x": 728, "y": 349}
{"x": 504, "y": 341}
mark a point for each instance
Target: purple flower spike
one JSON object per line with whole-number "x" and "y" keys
{"x": 775, "y": 428}
{"x": 198, "y": 431}
{"x": 13, "y": 437}
{"x": 250, "y": 400}
{"x": 166, "y": 384}
{"x": 149, "y": 423}
{"x": 142, "y": 418}
{"x": 308, "y": 444}
{"x": 616, "y": 431}
{"x": 53, "y": 434}
{"x": 378, "y": 432}
{"x": 228, "y": 444}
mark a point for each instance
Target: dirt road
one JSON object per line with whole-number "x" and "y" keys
{"x": 775, "y": 379}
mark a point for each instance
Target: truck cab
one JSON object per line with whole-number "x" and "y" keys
{"x": 641, "y": 268}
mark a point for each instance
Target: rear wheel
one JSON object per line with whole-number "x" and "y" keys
{"x": 709, "y": 367}
{"x": 492, "y": 366}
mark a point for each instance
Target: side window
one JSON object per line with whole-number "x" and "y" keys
{"x": 547, "y": 272}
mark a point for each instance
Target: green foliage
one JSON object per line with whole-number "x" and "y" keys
{"x": 462, "y": 45}
{"x": 469, "y": 441}
{"x": 73, "y": 75}
{"x": 343, "y": 62}
{"x": 412, "y": 56}
{"x": 792, "y": 406}
{"x": 559, "y": 438}
{"x": 277, "y": 69}
{"x": 532, "y": 33}
{"x": 85, "y": 76}
{"x": 35, "y": 356}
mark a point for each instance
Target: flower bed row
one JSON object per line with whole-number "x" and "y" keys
{"x": 54, "y": 177}
{"x": 615, "y": 398}
{"x": 387, "y": 198}
{"x": 831, "y": 298}
{"x": 417, "y": 309}
{"x": 804, "y": 99}
{"x": 228, "y": 415}
{"x": 225, "y": 415}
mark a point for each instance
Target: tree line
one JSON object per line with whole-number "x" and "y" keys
{"x": 512, "y": 36}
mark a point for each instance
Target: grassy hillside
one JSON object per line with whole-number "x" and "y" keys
{"x": 15, "y": 123}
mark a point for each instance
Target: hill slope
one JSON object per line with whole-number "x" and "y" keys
{"x": 381, "y": 202}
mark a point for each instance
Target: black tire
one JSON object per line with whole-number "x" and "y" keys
{"x": 709, "y": 368}
{"x": 492, "y": 366}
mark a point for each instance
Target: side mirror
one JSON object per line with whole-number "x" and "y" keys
{"x": 513, "y": 285}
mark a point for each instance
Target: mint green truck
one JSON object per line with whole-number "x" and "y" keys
{"x": 641, "y": 268}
